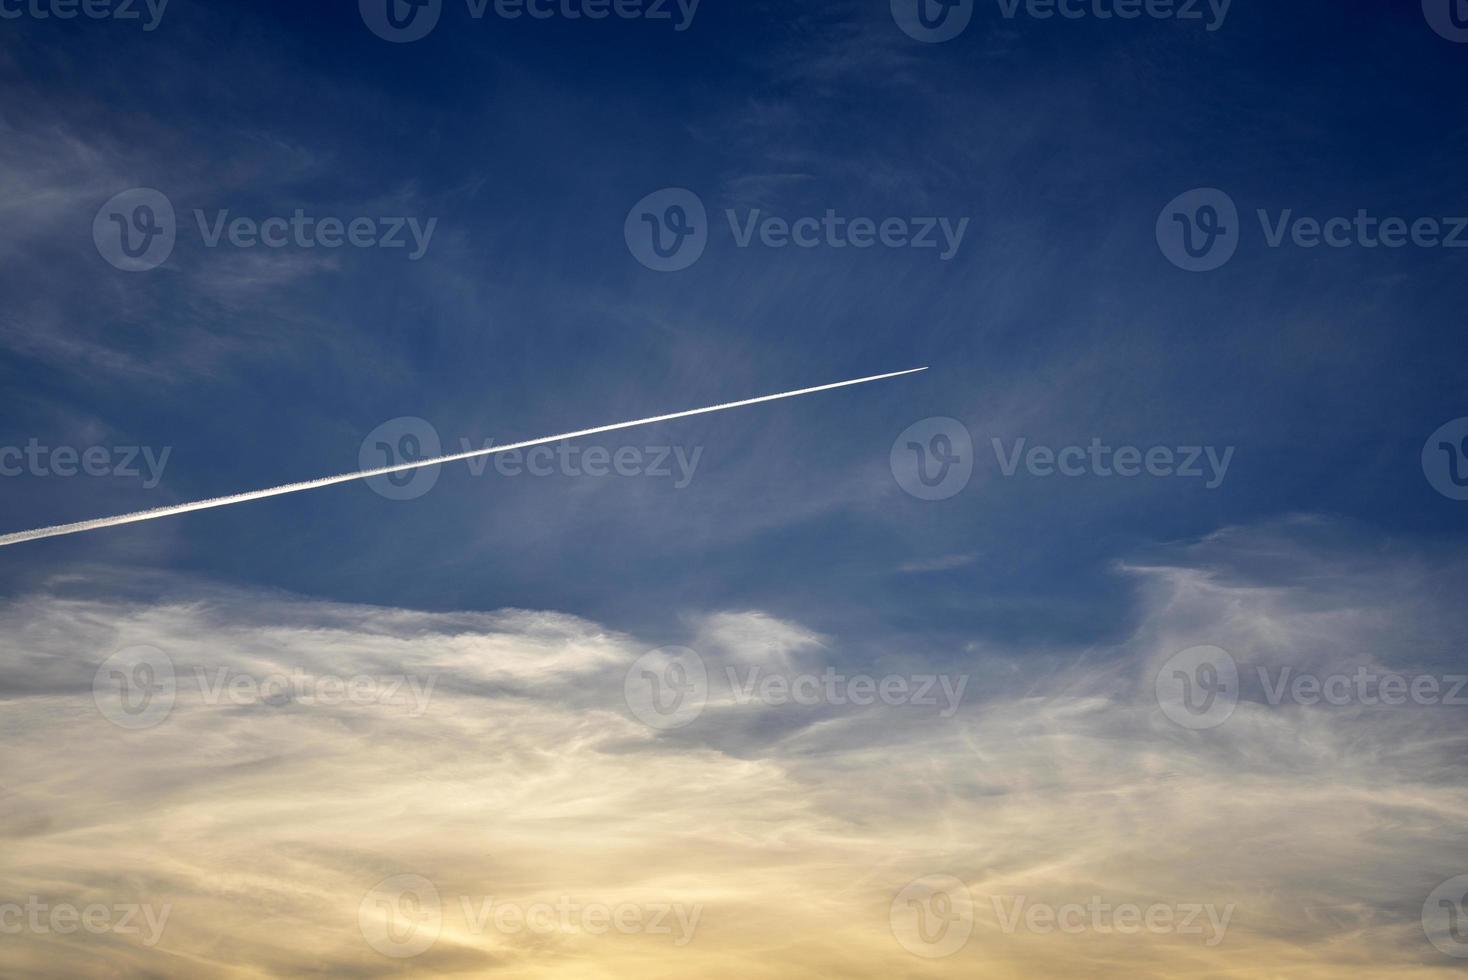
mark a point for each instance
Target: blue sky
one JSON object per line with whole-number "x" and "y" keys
{"x": 1057, "y": 320}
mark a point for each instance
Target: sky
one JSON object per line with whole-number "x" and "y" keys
{"x": 1141, "y": 557}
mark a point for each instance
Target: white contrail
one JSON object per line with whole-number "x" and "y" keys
{"x": 326, "y": 481}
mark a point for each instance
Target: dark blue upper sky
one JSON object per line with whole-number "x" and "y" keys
{"x": 1059, "y": 319}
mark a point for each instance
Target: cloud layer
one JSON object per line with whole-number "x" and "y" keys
{"x": 508, "y": 770}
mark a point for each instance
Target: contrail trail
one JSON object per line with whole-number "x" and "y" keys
{"x": 326, "y": 481}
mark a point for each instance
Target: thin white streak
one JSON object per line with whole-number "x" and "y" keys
{"x": 326, "y": 481}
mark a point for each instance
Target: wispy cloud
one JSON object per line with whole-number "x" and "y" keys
{"x": 528, "y": 778}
